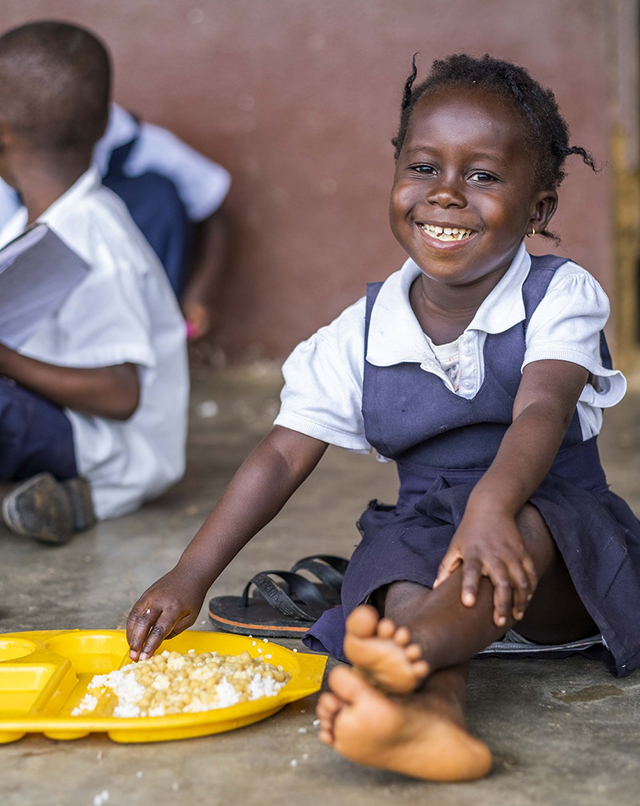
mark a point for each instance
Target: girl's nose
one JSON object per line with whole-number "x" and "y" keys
{"x": 447, "y": 192}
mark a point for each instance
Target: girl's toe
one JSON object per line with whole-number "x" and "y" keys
{"x": 413, "y": 651}
{"x": 386, "y": 628}
{"x": 420, "y": 668}
{"x": 402, "y": 636}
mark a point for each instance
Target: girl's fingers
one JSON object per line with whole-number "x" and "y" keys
{"x": 521, "y": 589}
{"x": 181, "y": 626}
{"x": 450, "y": 562}
{"x": 138, "y": 624}
{"x": 471, "y": 573}
{"x": 502, "y": 593}
{"x": 530, "y": 571}
{"x": 148, "y": 628}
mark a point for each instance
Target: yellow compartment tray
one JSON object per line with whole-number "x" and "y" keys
{"x": 44, "y": 675}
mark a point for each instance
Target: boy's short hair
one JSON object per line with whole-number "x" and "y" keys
{"x": 55, "y": 85}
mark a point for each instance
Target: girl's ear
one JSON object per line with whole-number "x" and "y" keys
{"x": 543, "y": 207}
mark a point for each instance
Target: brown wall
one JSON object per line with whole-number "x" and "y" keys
{"x": 299, "y": 99}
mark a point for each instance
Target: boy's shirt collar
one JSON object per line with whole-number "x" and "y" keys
{"x": 89, "y": 181}
{"x": 17, "y": 224}
{"x": 395, "y": 335}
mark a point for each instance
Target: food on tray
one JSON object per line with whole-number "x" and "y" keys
{"x": 176, "y": 683}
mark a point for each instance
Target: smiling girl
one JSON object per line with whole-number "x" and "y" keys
{"x": 482, "y": 372}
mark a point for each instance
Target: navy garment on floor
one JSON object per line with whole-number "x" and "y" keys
{"x": 442, "y": 444}
{"x": 159, "y": 213}
{"x": 35, "y": 436}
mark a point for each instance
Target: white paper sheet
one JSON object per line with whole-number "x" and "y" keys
{"x": 37, "y": 273}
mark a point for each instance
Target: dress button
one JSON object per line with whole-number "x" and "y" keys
{"x": 467, "y": 384}
{"x": 468, "y": 350}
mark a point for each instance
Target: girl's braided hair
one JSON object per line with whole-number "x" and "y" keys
{"x": 546, "y": 131}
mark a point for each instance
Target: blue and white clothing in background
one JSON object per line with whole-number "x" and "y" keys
{"x": 124, "y": 311}
{"x": 167, "y": 186}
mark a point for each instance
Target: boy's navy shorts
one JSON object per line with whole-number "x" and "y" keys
{"x": 35, "y": 435}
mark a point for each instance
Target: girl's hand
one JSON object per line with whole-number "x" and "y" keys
{"x": 165, "y": 609}
{"x": 491, "y": 546}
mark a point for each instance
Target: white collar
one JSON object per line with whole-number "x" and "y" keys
{"x": 395, "y": 335}
{"x": 85, "y": 184}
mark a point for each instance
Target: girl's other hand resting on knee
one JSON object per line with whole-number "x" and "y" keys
{"x": 489, "y": 544}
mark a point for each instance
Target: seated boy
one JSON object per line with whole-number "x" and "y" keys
{"x": 99, "y": 393}
{"x": 173, "y": 194}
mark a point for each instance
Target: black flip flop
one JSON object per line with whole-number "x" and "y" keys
{"x": 325, "y": 567}
{"x": 284, "y": 607}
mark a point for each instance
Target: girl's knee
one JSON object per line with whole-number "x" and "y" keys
{"x": 537, "y": 538}
{"x": 401, "y": 598}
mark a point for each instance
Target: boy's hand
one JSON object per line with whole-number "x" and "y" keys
{"x": 491, "y": 546}
{"x": 165, "y": 609}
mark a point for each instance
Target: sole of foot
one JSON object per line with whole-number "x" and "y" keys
{"x": 383, "y": 652}
{"x": 416, "y": 734}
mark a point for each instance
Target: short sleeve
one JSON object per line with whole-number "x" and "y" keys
{"x": 566, "y": 326}
{"x": 322, "y": 395}
{"x": 201, "y": 183}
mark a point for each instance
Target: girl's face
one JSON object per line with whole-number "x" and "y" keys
{"x": 464, "y": 167}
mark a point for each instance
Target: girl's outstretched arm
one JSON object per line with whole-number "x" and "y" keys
{"x": 487, "y": 542}
{"x": 257, "y": 492}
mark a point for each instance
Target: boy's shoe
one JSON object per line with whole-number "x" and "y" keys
{"x": 49, "y": 510}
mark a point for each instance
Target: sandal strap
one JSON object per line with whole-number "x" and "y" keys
{"x": 279, "y": 596}
{"x": 326, "y": 567}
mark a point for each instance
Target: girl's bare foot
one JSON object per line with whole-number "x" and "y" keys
{"x": 422, "y": 735}
{"x": 383, "y": 652}
{"x": 327, "y": 710}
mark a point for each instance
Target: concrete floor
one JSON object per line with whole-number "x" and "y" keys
{"x": 563, "y": 732}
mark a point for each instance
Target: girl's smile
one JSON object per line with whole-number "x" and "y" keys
{"x": 464, "y": 192}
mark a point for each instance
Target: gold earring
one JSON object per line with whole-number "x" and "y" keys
{"x": 532, "y": 233}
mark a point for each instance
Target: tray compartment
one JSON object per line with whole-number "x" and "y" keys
{"x": 91, "y": 652}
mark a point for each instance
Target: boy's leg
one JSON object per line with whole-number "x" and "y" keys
{"x": 423, "y": 733}
{"x": 36, "y": 444}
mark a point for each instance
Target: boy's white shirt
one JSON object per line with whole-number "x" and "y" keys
{"x": 124, "y": 311}
{"x": 201, "y": 183}
{"x": 322, "y": 396}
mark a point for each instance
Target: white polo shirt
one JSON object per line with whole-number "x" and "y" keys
{"x": 201, "y": 183}
{"x": 123, "y": 311}
{"x": 322, "y": 396}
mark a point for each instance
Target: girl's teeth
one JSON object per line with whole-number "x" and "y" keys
{"x": 446, "y": 233}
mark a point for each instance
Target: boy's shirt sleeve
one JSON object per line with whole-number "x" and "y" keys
{"x": 566, "y": 326}
{"x": 322, "y": 395}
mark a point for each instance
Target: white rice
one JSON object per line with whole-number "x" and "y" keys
{"x": 182, "y": 683}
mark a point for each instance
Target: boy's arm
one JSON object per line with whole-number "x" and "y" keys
{"x": 257, "y": 492}
{"x": 211, "y": 243}
{"x": 487, "y": 542}
{"x": 112, "y": 392}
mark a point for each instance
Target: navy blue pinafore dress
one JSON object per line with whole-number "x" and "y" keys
{"x": 442, "y": 444}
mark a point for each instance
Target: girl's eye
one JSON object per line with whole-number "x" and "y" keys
{"x": 423, "y": 169}
{"x": 482, "y": 177}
